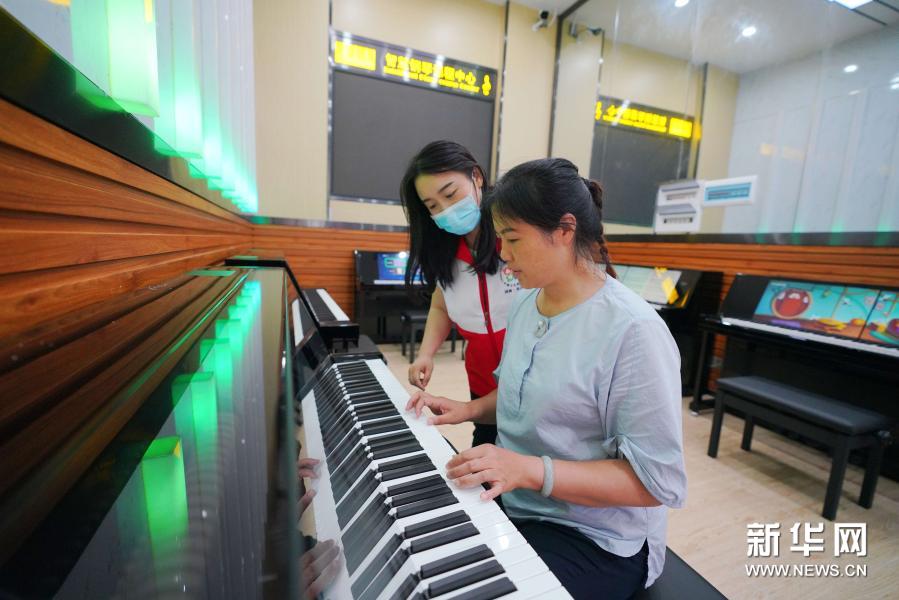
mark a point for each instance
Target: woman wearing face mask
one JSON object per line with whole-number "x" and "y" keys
{"x": 589, "y": 453}
{"x": 456, "y": 253}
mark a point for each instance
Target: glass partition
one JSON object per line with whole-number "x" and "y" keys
{"x": 784, "y": 114}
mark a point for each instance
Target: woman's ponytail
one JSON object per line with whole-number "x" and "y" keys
{"x": 596, "y": 193}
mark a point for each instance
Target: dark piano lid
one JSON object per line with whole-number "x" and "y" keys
{"x": 163, "y": 460}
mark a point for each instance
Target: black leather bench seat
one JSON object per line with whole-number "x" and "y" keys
{"x": 818, "y": 409}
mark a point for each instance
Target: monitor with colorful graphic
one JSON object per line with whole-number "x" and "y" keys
{"x": 883, "y": 324}
{"x": 392, "y": 267}
{"x": 816, "y": 307}
{"x": 654, "y": 284}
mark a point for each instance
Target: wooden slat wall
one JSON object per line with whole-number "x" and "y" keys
{"x": 324, "y": 257}
{"x": 79, "y": 224}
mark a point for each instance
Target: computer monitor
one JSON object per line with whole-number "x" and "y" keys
{"x": 826, "y": 308}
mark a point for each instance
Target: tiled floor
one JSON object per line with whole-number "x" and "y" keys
{"x": 780, "y": 481}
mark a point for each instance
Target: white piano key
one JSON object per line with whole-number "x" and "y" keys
{"x": 797, "y": 334}
{"x": 494, "y": 528}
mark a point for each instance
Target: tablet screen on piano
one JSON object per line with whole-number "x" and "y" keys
{"x": 883, "y": 323}
{"x": 817, "y": 307}
{"x": 654, "y": 284}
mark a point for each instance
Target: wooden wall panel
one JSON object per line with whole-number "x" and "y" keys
{"x": 79, "y": 225}
{"x": 324, "y": 257}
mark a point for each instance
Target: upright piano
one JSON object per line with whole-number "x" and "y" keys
{"x": 381, "y": 491}
{"x": 336, "y": 327}
{"x": 152, "y": 447}
{"x": 680, "y": 296}
{"x": 834, "y": 338}
{"x": 148, "y": 445}
{"x": 381, "y": 293}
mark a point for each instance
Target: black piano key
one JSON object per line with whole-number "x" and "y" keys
{"x": 346, "y": 449}
{"x": 343, "y": 449}
{"x": 369, "y": 401}
{"x": 340, "y": 426}
{"x": 364, "y": 523}
{"x": 435, "y": 524}
{"x": 393, "y": 441}
{"x": 385, "y": 427}
{"x": 361, "y": 388}
{"x": 356, "y": 498}
{"x": 381, "y": 414}
{"x": 378, "y": 562}
{"x": 406, "y": 471}
{"x": 416, "y": 484}
{"x": 336, "y": 436}
{"x": 489, "y": 591}
{"x": 425, "y": 505}
{"x": 374, "y": 408}
{"x": 380, "y": 582}
{"x": 347, "y": 474}
{"x": 358, "y": 452}
{"x": 327, "y": 410}
{"x": 358, "y": 366}
{"x": 410, "y": 497}
{"x": 359, "y": 383}
{"x": 396, "y": 451}
{"x": 413, "y": 497}
{"x": 466, "y": 577}
{"x": 406, "y": 588}
{"x": 409, "y": 461}
{"x": 357, "y": 553}
{"x": 327, "y": 419}
{"x": 374, "y": 507}
{"x": 456, "y": 561}
{"x": 441, "y": 538}
{"x": 401, "y": 436}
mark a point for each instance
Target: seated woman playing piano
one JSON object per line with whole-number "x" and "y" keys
{"x": 589, "y": 453}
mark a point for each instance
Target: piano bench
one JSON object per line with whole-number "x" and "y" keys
{"x": 678, "y": 580}
{"x": 413, "y": 322}
{"x": 840, "y": 426}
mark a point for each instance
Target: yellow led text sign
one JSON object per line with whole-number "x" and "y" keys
{"x": 610, "y": 111}
{"x": 355, "y": 55}
{"x": 415, "y": 68}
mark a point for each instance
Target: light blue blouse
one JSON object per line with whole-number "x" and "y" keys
{"x": 598, "y": 381}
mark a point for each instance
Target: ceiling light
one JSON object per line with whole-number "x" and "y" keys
{"x": 681, "y": 3}
{"x": 749, "y": 31}
{"x": 851, "y": 4}
{"x": 850, "y": 68}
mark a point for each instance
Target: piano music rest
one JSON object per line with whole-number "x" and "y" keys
{"x": 840, "y": 426}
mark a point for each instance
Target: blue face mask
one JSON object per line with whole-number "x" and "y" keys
{"x": 461, "y": 218}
